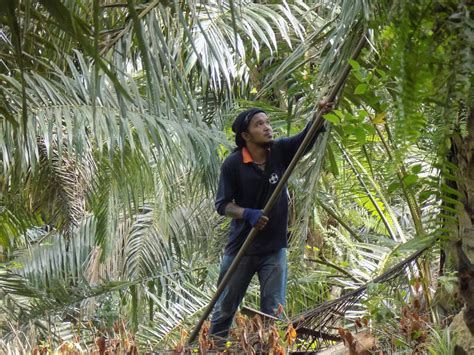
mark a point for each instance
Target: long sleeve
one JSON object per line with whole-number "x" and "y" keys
{"x": 226, "y": 189}
{"x": 290, "y": 145}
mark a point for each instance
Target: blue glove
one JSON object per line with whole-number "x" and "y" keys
{"x": 252, "y": 215}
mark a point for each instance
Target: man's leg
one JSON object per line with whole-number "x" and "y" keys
{"x": 233, "y": 294}
{"x": 272, "y": 275}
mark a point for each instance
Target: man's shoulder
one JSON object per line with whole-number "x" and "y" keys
{"x": 278, "y": 145}
{"x": 233, "y": 158}
{"x": 279, "y": 141}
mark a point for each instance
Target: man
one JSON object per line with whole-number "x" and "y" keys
{"x": 248, "y": 178}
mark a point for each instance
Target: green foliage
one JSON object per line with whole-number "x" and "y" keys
{"x": 441, "y": 341}
{"x": 115, "y": 118}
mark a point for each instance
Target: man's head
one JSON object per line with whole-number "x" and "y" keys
{"x": 252, "y": 126}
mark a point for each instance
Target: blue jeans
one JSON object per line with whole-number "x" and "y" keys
{"x": 272, "y": 271}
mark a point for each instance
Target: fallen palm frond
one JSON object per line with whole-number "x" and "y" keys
{"x": 318, "y": 325}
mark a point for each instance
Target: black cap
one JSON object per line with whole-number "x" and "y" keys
{"x": 241, "y": 123}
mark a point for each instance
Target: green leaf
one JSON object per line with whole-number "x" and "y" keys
{"x": 355, "y": 65}
{"x": 361, "y": 114}
{"x": 348, "y": 129}
{"x": 359, "y": 133}
{"x": 415, "y": 169}
{"x": 361, "y": 89}
{"x": 393, "y": 186}
{"x": 417, "y": 243}
{"x": 424, "y": 195}
{"x": 382, "y": 74}
{"x": 350, "y": 118}
{"x": 332, "y": 118}
{"x": 447, "y": 189}
{"x": 410, "y": 179}
{"x": 369, "y": 128}
{"x": 359, "y": 76}
{"x": 332, "y": 161}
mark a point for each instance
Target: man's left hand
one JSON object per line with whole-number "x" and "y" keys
{"x": 262, "y": 222}
{"x": 255, "y": 217}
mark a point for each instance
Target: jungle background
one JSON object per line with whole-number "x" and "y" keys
{"x": 115, "y": 118}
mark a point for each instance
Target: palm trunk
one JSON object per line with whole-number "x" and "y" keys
{"x": 463, "y": 156}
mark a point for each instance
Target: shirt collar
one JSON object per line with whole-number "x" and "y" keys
{"x": 246, "y": 157}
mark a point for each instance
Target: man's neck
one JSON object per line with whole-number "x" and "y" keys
{"x": 258, "y": 152}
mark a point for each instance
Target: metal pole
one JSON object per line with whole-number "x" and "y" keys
{"x": 318, "y": 123}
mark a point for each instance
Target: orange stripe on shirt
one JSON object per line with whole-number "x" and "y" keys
{"x": 246, "y": 157}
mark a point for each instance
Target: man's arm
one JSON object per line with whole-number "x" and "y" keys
{"x": 237, "y": 212}
{"x": 225, "y": 205}
{"x": 291, "y": 144}
{"x": 233, "y": 211}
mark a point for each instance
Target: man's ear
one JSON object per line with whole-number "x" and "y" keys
{"x": 245, "y": 136}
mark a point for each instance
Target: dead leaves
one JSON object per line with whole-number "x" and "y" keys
{"x": 250, "y": 336}
{"x": 363, "y": 343}
{"x": 290, "y": 335}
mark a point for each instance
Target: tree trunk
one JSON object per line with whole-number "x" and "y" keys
{"x": 463, "y": 157}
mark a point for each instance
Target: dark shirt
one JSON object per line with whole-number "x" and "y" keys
{"x": 249, "y": 187}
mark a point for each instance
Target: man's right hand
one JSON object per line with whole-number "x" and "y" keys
{"x": 255, "y": 217}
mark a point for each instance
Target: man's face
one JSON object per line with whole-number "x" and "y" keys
{"x": 259, "y": 130}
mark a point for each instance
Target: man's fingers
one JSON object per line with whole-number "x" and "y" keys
{"x": 262, "y": 222}
{"x": 326, "y": 106}
{"x": 325, "y": 103}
